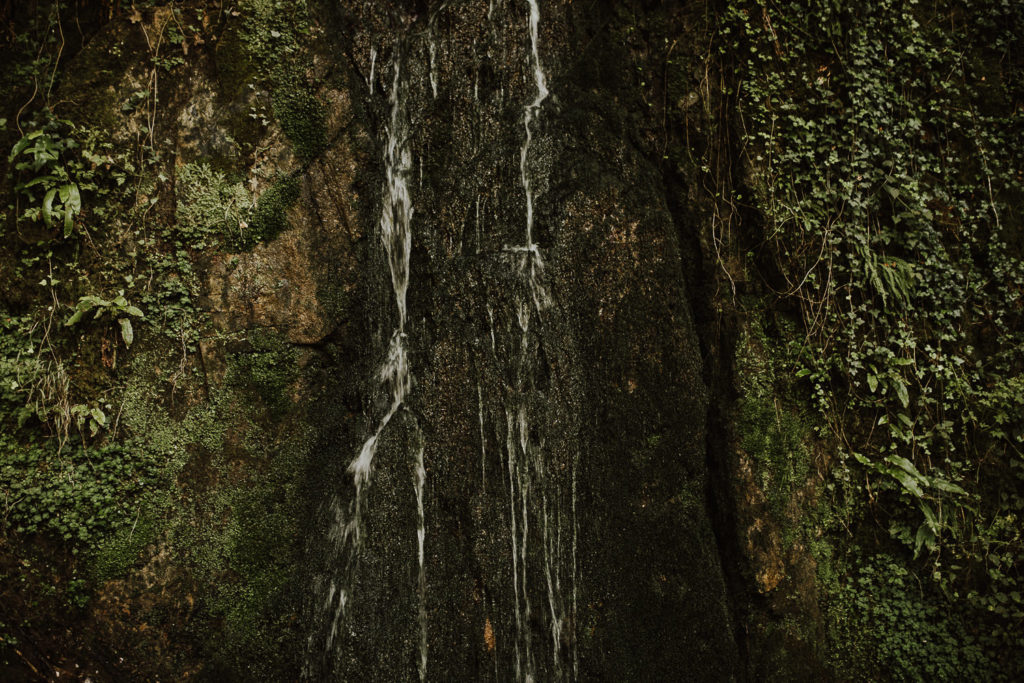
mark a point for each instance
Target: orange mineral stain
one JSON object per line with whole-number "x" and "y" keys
{"x": 489, "y": 635}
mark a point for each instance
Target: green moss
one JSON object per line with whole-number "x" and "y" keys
{"x": 275, "y": 35}
{"x": 267, "y": 371}
{"x": 117, "y": 553}
{"x": 302, "y": 119}
{"x": 231, "y": 506}
{"x": 270, "y": 217}
{"x": 209, "y": 206}
{"x": 772, "y": 432}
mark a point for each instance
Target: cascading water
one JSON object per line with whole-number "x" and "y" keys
{"x": 527, "y": 466}
{"x": 346, "y": 533}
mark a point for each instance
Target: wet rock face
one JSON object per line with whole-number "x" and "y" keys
{"x": 557, "y": 375}
{"x": 556, "y": 392}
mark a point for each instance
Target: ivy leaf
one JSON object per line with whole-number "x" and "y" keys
{"x": 901, "y": 392}
{"x": 872, "y": 383}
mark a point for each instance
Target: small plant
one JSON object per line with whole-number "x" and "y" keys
{"x": 118, "y": 308}
{"x": 37, "y": 157}
{"x": 91, "y": 415}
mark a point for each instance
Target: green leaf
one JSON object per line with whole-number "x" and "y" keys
{"x": 75, "y": 317}
{"x": 925, "y": 537}
{"x": 48, "y": 207}
{"x": 75, "y": 198}
{"x": 126, "y": 331}
{"x": 908, "y": 483}
{"x": 907, "y": 467}
{"x": 41, "y": 180}
{"x": 947, "y": 486}
{"x": 99, "y": 416}
{"x": 901, "y": 392}
{"x": 929, "y": 516}
{"x": 19, "y": 147}
{"x": 132, "y": 310}
{"x": 872, "y": 383}
{"x": 68, "y": 223}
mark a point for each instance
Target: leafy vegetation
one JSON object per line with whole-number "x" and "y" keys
{"x": 882, "y": 155}
{"x": 107, "y": 420}
{"x": 118, "y": 308}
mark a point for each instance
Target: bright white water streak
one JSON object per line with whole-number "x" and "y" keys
{"x": 394, "y": 373}
{"x": 373, "y": 66}
{"x": 396, "y": 236}
{"x": 532, "y": 109}
{"x": 420, "y": 480}
{"x": 525, "y": 460}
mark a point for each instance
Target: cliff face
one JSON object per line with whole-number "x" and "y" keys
{"x": 428, "y": 251}
{"x": 556, "y": 398}
{"x": 510, "y": 340}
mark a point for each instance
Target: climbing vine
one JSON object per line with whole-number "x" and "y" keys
{"x": 882, "y": 155}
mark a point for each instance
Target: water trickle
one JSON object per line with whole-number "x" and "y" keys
{"x": 420, "y": 480}
{"x": 347, "y": 530}
{"x": 531, "y": 259}
{"x": 512, "y": 470}
{"x": 373, "y": 66}
{"x": 533, "y": 483}
{"x": 483, "y": 440}
{"x": 530, "y": 115}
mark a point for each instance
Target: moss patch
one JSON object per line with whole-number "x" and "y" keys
{"x": 275, "y": 34}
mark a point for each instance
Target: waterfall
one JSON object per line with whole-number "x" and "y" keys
{"x": 396, "y": 236}
{"x": 346, "y": 533}
{"x": 527, "y": 461}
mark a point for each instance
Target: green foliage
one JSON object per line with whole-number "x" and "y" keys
{"x": 213, "y": 209}
{"x": 884, "y": 615}
{"x": 771, "y": 433}
{"x": 209, "y": 206}
{"x": 36, "y": 157}
{"x": 884, "y": 158}
{"x": 274, "y": 34}
{"x": 117, "y": 308}
{"x": 77, "y": 495}
{"x": 54, "y": 164}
